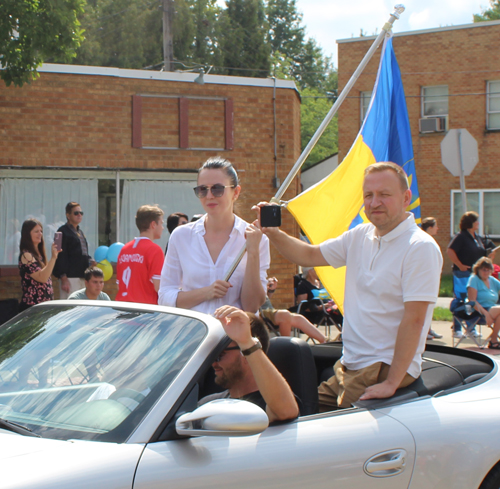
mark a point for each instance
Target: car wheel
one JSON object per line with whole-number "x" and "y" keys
{"x": 492, "y": 480}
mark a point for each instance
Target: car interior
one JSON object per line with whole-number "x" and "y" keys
{"x": 305, "y": 366}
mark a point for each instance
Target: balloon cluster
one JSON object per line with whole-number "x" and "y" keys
{"x": 105, "y": 256}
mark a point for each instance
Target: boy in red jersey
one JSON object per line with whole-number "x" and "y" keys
{"x": 140, "y": 261}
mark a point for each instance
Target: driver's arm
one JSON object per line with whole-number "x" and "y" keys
{"x": 280, "y": 401}
{"x": 279, "y": 398}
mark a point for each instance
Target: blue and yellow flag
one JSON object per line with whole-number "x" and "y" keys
{"x": 335, "y": 204}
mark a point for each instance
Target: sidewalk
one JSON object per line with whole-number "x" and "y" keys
{"x": 444, "y": 328}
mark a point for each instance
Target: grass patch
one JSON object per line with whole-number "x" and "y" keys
{"x": 446, "y": 286}
{"x": 442, "y": 314}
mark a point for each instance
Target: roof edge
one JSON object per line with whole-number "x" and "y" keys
{"x": 165, "y": 76}
{"x": 489, "y": 23}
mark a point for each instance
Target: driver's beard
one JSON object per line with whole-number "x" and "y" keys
{"x": 229, "y": 376}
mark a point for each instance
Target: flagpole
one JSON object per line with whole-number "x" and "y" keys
{"x": 398, "y": 10}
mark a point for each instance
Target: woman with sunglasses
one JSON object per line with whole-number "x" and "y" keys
{"x": 74, "y": 258}
{"x": 34, "y": 268}
{"x": 200, "y": 254}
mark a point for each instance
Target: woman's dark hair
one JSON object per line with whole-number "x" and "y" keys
{"x": 483, "y": 262}
{"x": 428, "y": 222}
{"x": 173, "y": 220}
{"x": 26, "y": 243}
{"x": 219, "y": 163}
{"x": 467, "y": 220}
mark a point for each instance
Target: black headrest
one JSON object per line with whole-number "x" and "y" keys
{"x": 294, "y": 359}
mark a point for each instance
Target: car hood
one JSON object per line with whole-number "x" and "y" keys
{"x": 40, "y": 463}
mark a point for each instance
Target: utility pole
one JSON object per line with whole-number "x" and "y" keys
{"x": 168, "y": 44}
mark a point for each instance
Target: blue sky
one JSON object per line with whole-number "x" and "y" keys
{"x": 329, "y": 20}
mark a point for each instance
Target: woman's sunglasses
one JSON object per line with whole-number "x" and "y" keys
{"x": 201, "y": 191}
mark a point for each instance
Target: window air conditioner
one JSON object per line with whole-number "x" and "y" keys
{"x": 432, "y": 124}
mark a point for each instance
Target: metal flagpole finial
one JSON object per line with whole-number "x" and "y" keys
{"x": 398, "y": 10}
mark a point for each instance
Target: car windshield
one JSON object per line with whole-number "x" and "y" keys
{"x": 90, "y": 372}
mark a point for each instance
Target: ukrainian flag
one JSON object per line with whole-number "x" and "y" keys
{"x": 335, "y": 204}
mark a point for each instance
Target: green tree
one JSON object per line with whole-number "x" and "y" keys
{"x": 286, "y": 34}
{"x": 129, "y": 33}
{"x": 34, "y": 31}
{"x": 122, "y": 33}
{"x": 314, "y": 108}
{"x": 243, "y": 38}
{"x": 205, "y": 48}
{"x": 493, "y": 13}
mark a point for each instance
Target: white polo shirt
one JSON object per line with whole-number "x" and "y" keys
{"x": 382, "y": 274}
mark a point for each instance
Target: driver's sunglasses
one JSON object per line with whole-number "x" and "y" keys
{"x": 78, "y": 213}
{"x": 201, "y": 191}
{"x": 223, "y": 352}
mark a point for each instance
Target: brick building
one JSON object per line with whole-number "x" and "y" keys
{"x": 451, "y": 77}
{"x": 115, "y": 139}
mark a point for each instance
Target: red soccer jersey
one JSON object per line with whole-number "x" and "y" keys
{"x": 140, "y": 261}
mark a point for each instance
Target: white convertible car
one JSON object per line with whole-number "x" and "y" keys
{"x": 103, "y": 395}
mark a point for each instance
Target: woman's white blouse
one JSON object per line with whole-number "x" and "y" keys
{"x": 189, "y": 266}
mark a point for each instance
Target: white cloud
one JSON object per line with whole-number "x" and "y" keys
{"x": 418, "y": 20}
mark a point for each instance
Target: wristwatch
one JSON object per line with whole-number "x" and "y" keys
{"x": 249, "y": 351}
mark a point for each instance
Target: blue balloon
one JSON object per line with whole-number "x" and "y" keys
{"x": 114, "y": 251}
{"x": 101, "y": 253}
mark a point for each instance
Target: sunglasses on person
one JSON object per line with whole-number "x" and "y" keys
{"x": 201, "y": 191}
{"x": 223, "y": 352}
{"x": 78, "y": 213}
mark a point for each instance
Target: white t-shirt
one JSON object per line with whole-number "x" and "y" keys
{"x": 382, "y": 274}
{"x": 189, "y": 266}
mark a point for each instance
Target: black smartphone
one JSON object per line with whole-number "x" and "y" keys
{"x": 58, "y": 240}
{"x": 270, "y": 216}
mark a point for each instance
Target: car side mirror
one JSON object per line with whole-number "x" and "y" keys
{"x": 223, "y": 417}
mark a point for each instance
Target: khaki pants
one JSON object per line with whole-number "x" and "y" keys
{"x": 346, "y": 386}
{"x": 75, "y": 283}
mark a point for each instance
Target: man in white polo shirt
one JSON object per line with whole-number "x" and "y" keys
{"x": 393, "y": 270}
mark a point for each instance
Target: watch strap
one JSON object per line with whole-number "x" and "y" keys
{"x": 249, "y": 351}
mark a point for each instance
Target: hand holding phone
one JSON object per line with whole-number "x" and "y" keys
{"x": 58, "y": 240}
{"x": 270, "y": 216}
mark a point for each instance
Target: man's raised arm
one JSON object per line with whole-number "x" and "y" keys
{"x": 293, "y": 249}
{"x": 279, "y": 398}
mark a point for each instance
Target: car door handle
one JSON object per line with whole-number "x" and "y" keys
{"x": 386, "y": 464}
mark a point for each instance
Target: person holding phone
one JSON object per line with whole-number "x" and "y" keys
{"x": 200, "y": 254}
{"x": 74, "y": 258}
{"x": 34, "y": 268}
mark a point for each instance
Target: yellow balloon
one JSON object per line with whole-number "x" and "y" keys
{"x": 107, "y": 269}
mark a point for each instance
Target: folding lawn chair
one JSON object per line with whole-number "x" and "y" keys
{"x": 464, "y": 314}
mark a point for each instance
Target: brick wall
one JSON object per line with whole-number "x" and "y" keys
{"x": 85, "y": 120}
{"x": 462, "y": 58}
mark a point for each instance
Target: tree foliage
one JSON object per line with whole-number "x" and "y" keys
{"x": 493, "y": 13}
{"x": 34, "y": 31}
{"x": 243, "y": 39}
